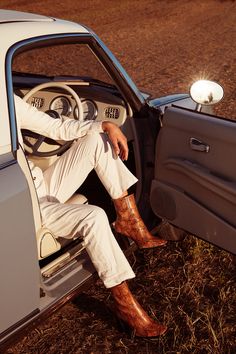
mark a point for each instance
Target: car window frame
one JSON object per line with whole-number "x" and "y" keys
{"x": 114, "y": 69}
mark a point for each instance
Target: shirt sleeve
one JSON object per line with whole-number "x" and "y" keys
{"x": 39, "y": 122}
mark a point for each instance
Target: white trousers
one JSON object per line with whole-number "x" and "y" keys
{"x": 90, "y": 222}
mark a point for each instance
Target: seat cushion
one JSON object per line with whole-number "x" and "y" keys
{"x": 47, "y": 243}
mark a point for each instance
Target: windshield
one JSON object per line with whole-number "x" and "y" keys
{"x": 65, "y": 60}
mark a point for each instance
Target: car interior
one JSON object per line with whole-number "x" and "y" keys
{"x": 70, "y": 86}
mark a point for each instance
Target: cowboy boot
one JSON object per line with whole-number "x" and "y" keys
{"x": 130, "y": 312}
{"x": 129, "y": 223}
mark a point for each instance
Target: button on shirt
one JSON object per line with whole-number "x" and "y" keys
{"x": 28, "y": 117}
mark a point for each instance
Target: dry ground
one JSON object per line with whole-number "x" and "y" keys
{"x": 165, "y": 46}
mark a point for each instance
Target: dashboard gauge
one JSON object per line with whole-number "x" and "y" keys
{"x": 89, "y": 110}
{"x": 61, "y": 105}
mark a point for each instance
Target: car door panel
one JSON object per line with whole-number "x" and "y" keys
{"x": 194, "y": 186}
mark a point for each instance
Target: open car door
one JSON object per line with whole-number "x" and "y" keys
{"x": 194, "y": 186}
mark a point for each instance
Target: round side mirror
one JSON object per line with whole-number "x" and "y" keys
{"x": 205, "y": 92}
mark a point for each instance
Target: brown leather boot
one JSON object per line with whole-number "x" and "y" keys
{"x": 129, "y": 311}
{"x": 129, "y": 223}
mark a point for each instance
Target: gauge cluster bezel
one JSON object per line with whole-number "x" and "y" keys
{"x": 66, "y": 107}
{"x": 92, "y": 113}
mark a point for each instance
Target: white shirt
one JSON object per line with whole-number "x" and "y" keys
{"x": 28, "y": 117}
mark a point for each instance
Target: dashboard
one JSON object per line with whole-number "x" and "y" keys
{"x": 98, "y": 104}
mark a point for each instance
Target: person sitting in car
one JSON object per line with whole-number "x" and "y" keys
{"x": 100, "y": 146}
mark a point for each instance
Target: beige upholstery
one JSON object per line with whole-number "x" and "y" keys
{"x": 47, "y": 243}
{"x": 44, "y": 162}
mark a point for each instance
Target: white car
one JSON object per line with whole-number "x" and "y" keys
{"x": 182, "y": 157}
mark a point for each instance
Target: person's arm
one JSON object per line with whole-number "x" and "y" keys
{"x": 117, "y": 138}
{"x": 39, "y": 122}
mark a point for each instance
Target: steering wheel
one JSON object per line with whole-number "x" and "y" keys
{"x": 33, "y": 141}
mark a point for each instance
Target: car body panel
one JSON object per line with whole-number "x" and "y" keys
{"x": 20, "y": 26}
{"x": 19, "y": 31}
{"x": 18, "y": 16}
{"x": 167, "y": 100}
{"x": 180, "y": 100}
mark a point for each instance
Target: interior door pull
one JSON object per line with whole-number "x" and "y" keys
{"x": 198, "y": 145}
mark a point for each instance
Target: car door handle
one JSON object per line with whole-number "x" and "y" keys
{"x": 198, "y": 145}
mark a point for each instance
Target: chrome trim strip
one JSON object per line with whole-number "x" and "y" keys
{"x": 57, "y": 265}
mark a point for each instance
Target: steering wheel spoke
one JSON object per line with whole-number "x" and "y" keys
{"x": 38, "y": 143}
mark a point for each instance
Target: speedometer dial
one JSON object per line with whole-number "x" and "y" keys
{"x": 89, "y": 110}
{"x": 61, "y": 105}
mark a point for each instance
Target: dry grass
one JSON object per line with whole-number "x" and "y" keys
{"x": 192, "y": 287}
{"x": 189, "y": 285}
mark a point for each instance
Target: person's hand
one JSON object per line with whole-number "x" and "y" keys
{"x": 117, "y": 138}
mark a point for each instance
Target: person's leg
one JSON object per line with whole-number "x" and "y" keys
{"x": 63, "y": 178}
{"x": 92, "y": 151}
{"x": 129, "y": 223}
{"x": 91, "y": 224}
{"x": 131, "y": 312}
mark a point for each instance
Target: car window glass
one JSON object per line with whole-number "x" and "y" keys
{"x": 76, "y": 60}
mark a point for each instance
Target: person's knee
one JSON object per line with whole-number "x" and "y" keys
{"x": 93, "y": 139}
{"x": 96, "y": 220}
{"x": 99, "y": 215}
{"x": 93, "y": 143}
